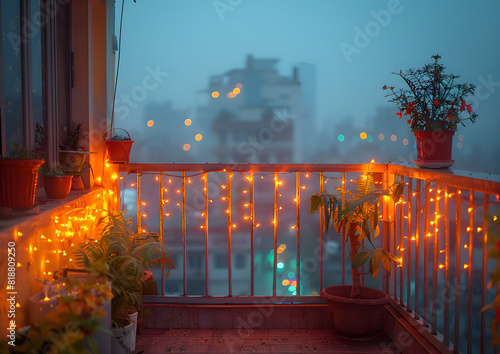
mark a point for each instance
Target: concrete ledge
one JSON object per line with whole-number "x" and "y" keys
{"x": 407, "y": 335}
{"x": 192, "y": 316}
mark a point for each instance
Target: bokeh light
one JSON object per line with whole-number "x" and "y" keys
{"x": 394, "y": 137}
{"x": 215, "y": 94}
{"x": 232, "y": 95}
{"x": 363, "y": 135}
{"x": 280, "y": 265}
{"x": 341, "y": 137}
{"x": 188, "y": 122}
{"x": 186, "y": 147}
{"x": 239, "y": 85}
{"x": 236, "y": 91}
{"x": 198, "y": 137}
{"x": 460, "y": 137}
{"x": 381, "y": 136}
{"x": 369, "y": 138}
{"x": 150, "y": 123}
{"x": 405, "y": 141}
{"x": 285, "y": 282}
{"x": 459, "y": 145}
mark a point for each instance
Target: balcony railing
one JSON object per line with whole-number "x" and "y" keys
{"x": 438, "y": 231}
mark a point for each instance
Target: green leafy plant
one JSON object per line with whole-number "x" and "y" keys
{"x": 494, "y": 254}
{"x": 19, "y": 152}
{"x": 59, "y": 170}
{"x": 69, "y": 327}
{"x": 434, "y": 100}
{"x": 358, "y": 214}
{"x": 73, "y": 138}
{"x": 115, "y": 256}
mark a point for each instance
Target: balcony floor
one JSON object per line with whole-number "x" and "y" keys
{"x": 252, "y": 341}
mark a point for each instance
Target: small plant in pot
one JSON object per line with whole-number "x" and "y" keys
{"x": 118, "y": 145}
{"x": 72, "y": 154}
{"x": 56, "y": 182}
{"x": 434, "y": 104}
{"x": 354, "y": 311}
{"x": 18, "y": 178}
{"x": 115, "y": 256}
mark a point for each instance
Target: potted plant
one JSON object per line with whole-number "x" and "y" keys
{"x": 56, "y": 182}
{"x": 72, "y": 154}
{"x": 435, "y": 105}
{"x": 69, "y": 328}
{"x": 18, "y": 178}
{"x": 118, "y": 146}
{"x": 115, "y": 256}
{"x": 354, "y": 311}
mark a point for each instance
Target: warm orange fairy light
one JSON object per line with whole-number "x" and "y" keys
{"x": 46, "y": 298}
{"x": 372, "y": 161}
{"x": 294, "y": 226}
{"x": 232, "y": 95}
{"x": 18, "y": 265}
{"x": 236, "y": 91}
{"x": 466, "y": 246}
{"x": 281, "y": 208}
{"x": 150, "y": 123}
{"x": 198, "y": 137}
{"x": 187, "y": 122}
{"x": 215, "y": 94}
{"x": 468, "y": 229}
{"x": 258, "y": 225}
{"x": 442, "y": 251}
{"x": 18, "y": 305}
{"x": 234, "y": 226}
{"x": 495, "y": 218}
{"x": 307, "y": 175}
{"x": 413, "y": 238}
{"x": 469, "y": 210}
{"x": 441, "y": 266}
{"x": 466, "y": 266}
{"x": 186, "y": 147}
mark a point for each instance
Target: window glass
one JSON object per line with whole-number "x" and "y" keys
{"x": 11, "y": 56}
{"x": 36, "y": 63}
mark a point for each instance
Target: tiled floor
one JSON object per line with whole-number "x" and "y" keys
{"x": 252, "y": 341}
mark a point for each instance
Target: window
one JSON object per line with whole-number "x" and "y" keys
{"x": 241, "y": 260}
{"x": 35, "y": 75}
{"x": 195, "y": 261}
{"x": 221, "y": 261}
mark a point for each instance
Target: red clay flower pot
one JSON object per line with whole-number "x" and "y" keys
{"x": 434, "y": 148}
{"x": 355, "y": 319}
{"x": 18, "y": 180}
{"x": 57, "y": 187}
{"x": 118, "y": 150}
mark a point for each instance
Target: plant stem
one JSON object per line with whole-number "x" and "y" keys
{"x": 355, "y": 272}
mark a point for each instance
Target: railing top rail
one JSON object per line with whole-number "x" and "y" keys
{"x": 477, "y": 181}
{"x": 480, "y": 182}
{"x": 248, "y": 167}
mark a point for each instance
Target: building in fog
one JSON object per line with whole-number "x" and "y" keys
{"x": 255, "y": 114}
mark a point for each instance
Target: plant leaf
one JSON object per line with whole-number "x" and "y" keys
{"x": 360, "y": 258}
{"x": 386, "y": 262}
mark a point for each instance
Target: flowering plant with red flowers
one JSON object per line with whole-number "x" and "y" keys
{"x": 434, "y": 100}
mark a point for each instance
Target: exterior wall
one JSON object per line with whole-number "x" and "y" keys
{"x": 43, "y": 247}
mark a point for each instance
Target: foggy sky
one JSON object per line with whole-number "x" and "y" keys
{"x": 355, "y": 46}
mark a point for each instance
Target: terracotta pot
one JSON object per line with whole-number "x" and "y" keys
{"x": 118, "y": 150}
{"x": 355, "y": 318}
{"x": 18, "y": 179}
{"x": 57, "y": 187}
{"x": 434, "y": 148}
